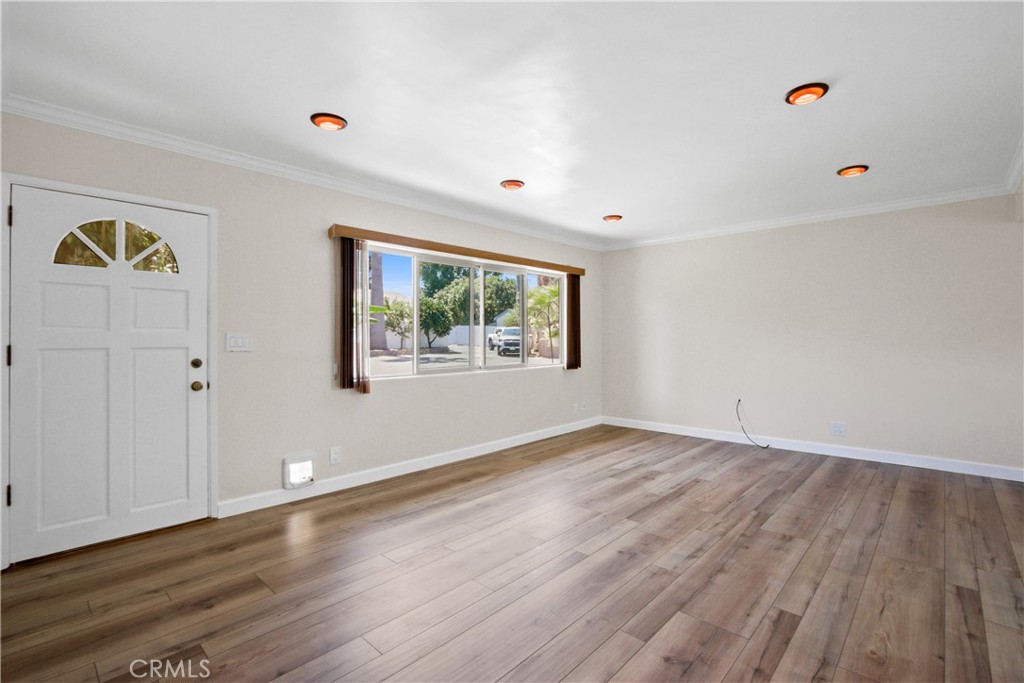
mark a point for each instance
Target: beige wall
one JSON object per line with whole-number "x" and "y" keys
{"x": 907, "y": 325}
{"x": 275, "y": 281}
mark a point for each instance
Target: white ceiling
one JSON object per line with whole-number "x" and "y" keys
{"x": 671, "y": 114}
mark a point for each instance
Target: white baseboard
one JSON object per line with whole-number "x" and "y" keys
{"x": 891, "y": 457}
{"x": 266, "y": 499}
{"x": 257, "y": 501}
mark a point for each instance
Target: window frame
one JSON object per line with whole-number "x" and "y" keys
{"x": 352, "y": 360}
{"x": 478, "y": 269}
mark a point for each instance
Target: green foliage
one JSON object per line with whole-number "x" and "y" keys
{"x": 376, "y": 309}
{"x": 161, "y": 261}
{"x": 543, "y": 308}
{"x": 445, "y": 301}
{"x": 436, "y": 276}
{"x": 455, "y": 296}
{"x": 435, "y": 319}
{"x": 398, "y": 319}
{"x": 499, "y": 296}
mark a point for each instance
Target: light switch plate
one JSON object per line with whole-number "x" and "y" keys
{"x": 237, "y": 341}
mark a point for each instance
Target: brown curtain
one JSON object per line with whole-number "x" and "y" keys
{"x": 352, "y": 361}
{"x": 572, "y": 310}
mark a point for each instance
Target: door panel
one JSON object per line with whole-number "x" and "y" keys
{"x": 160, "y": 309}
{"x": 75, "y": 306}
{"x": 157, "y": 437}
{"x": 108, "y": 307}
{"x": 73, "y": 436}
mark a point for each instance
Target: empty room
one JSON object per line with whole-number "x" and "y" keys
{"x": 526, "y": 341}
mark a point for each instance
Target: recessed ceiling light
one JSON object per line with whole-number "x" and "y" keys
{"x": 613, "y": 218}
{"x": 805, "y": 94}
{"x": 328, "y": 121}
{"x": 850, "y": 171}
{"x": 512, "y": 185}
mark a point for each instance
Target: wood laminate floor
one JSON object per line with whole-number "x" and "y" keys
{"x": 606, "y": 554}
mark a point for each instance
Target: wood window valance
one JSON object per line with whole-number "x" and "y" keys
{"x": 451, "y": 249}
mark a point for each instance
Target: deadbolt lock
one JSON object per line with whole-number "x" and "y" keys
{"x": 197, "y": 386}
{"x": 197, "y": 362}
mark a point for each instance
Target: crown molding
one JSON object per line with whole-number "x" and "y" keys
{"x": 460, "y": 210}
{"x": 363, "y": 187}
{"x": 823, "y": 216}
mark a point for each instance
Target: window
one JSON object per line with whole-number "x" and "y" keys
{"x": 503, "y": 318}
{"x": 429, "y": 314}
{"x": 543, "y": 312}
{"x": 407, "y": 306}
{"x": 445, "y": 309}
{"x": 94, "y": 245}
{"x": 391, "y": 314}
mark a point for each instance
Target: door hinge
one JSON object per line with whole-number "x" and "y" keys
{"x": 8, "y": 355}
{"x": 8, "y": 495}
{"x": 10, "y": 215}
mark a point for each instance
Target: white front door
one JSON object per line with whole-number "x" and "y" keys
{"x": 108, "y": 421}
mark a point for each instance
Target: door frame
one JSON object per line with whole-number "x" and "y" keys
{"x": 212, "y": 349}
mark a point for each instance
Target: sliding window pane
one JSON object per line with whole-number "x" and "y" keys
{"x": 391, "y": 318}
{"x": 444, "y": 303}
{"x": 502, "y": 313}
{"x": 543, "y": 311}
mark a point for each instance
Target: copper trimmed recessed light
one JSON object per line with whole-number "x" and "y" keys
{"x": 805, "y": 94}
{"x": 512, "y": 185}
{"x": 612, "y": 218}
{"x": 851, "y": 171}
{"x": 328, "y": 121}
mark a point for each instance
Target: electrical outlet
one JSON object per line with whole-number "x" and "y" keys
{"x": 837, "y": 428}
{"x": 583, "y": 406}
{"x": 575, "y": 407}
{"x": 336, "y": 455}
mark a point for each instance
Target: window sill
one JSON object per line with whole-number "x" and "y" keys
{"x": 458, "y": 372}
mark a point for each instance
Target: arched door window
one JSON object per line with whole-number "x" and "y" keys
{"x": 95, "y": 244}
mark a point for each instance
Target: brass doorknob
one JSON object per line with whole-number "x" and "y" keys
{"x": 197, "y": 386}
{"x": 197, "y": 362}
